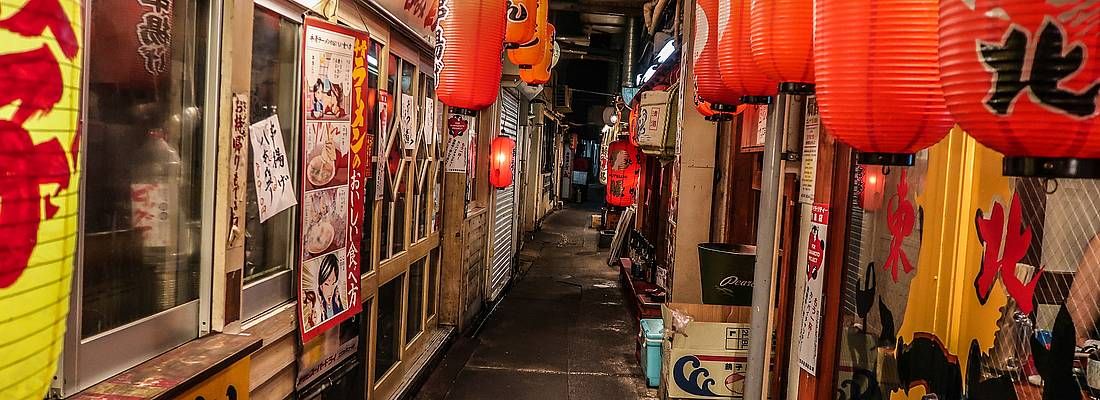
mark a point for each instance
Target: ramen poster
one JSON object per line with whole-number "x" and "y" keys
{"x": 334, "y": 172}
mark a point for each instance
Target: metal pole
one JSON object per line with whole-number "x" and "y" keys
{"x": 767, "y": 239}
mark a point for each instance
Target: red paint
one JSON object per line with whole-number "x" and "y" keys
{"x": 900, "y": 220}
{"x": 1016, "y": 241}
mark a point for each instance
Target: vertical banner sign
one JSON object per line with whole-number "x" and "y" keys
{"x": 810, "y": 137}
{"x": 40, "y": 61}
{"x": 333, "y": 185}
{"x": 274, "y": 188}
{"x": 810, "y": 332}
{"x": 237, "y": 159}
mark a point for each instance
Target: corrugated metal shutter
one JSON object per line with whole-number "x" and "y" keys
{"x": 504, "y": 215}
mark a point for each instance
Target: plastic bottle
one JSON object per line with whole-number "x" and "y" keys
{"x": 154, "y": 194}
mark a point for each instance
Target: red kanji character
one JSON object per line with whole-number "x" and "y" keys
{"x": 900, "y": 219}
{"x": 997, "y": 258}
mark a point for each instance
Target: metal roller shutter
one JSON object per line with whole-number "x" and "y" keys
{"x": 504, "y": 216}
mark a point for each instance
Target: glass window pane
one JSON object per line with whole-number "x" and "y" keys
{"x": 142, "y": 210}
{"x": 269, "y": 245}
{"x": 414, "y": 317}
{"x": 408, "y": 72}
{"x": 366, "y": 245}
{"x": 386, "y": 349}
{"x": 433, "y": 281}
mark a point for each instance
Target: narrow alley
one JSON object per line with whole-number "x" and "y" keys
{"x": 561, "y": 332}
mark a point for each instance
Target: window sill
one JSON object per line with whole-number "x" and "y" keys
{"x": 169, "y": 375}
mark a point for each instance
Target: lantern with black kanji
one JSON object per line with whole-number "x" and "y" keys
{"x": 1022, "y": 77}
{"x": 521, "y": 22}
{"x": 501, "y": 163}
{"x": 469, "y": 37}
{"x": 539, "y": 74}
{"x": 782, "y": 42}
{"x": 877, "y": 77}
{"x": 527, "y": 54}
{"x": 622, "y": 173}
{"x": 736, "y": 67}
{"x": 709, "y": 86}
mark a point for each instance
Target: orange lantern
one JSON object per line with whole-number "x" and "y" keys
{"x": 501, "y": 164}
{"x": 521, "y": 22}
{"x": 782, "y": 42}
{"x": 709, "y": 85}
{"x": 622, "y": 173}
{"x": 539, "y": 74}
{"x": 1022, "y": 77}
{"x": 469, "y": 37}
{"x": 878, "y": 85}
{"x": 527, "y": 54}
{"x": 738, "y": 70}
{"x": 707, "y": 110}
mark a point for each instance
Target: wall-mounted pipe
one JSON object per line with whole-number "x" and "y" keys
{"x": 629, "y": 45}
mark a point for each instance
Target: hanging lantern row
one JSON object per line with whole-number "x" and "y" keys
{"x": 738, "y": 70}
{"x": 529, "y": 53}
{"x": 539, "y": 74}
{"x": 781, "y": 40}
{"x": 709, "y": 86}
{"x": 469, "y": 37}
{"x": 502, "y": 161}
{"x": 522, "y": 22}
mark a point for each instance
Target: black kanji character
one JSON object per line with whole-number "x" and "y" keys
{"x": 158, "y": 6}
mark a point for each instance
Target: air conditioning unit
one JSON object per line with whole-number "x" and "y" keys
{"x": 563, "y": 100}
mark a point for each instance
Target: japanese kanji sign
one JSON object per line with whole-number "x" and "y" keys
{"x": 274, "y": 188}
{"x": 810, "y": 331}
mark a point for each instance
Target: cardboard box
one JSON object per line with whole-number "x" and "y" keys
{"x": 707, "y": 357}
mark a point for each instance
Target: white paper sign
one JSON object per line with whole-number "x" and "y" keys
{"x": 761, "y": 124}
{"x": 810, "y": 332}
{"x": 274, "y": 188}
{"x": 428, "y": 127}
{"x": 405, "y": 123}
{"x": 461, "y": 130}
{"x": 810, "y": 137}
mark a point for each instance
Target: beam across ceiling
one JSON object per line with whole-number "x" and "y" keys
{"x": 624, "y": 8}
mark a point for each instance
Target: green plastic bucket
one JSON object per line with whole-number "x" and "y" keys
{"x": 726, "y": 273}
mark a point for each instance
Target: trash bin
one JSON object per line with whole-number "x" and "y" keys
{"x": 726, "y": 273}
{"x": 606, "y": 236}
{"x": 653, "y": 335}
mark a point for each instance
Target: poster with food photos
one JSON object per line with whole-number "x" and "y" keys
{"x": 335, "y": 151}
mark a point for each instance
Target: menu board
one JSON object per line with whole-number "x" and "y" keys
{"x": 334, "y": 156}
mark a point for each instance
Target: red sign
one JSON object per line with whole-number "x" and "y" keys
{"x": 457, "y": 125}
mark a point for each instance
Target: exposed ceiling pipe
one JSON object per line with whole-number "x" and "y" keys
{"x": 628, "y": 51}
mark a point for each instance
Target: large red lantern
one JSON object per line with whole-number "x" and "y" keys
{"x": 709, "y": 85}
{"x": 539, "y": 74}
{"x": 782, "y": 42}
{"x": 877, "y": 72}
{"x": 521, "y": 22}
{"x": 527, "y": 54}
{"x": 501, "y": 161}
{"x": 1022, "y": 77}
{"x": 738, "y": 70}
{"x": 622, "y": 173}
{"x": 469, "y": 37}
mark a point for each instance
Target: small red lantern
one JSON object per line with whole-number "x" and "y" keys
{"x": 501, "y": 165}
{"x": 782, "y": 42}
{"x": 527, "y": 54}
{"x": 738, "y": 70}
{"x": 874, "y": 185}
{"x": 521, "y": 22}
{"x": 1022, "y": 77}
{"x": 469, "y": 37}
{"x": 539, "y": 74}
{"x": 709, "y": 85}
{"x": 877, "y": 72}
{"x": 622, "y": 173}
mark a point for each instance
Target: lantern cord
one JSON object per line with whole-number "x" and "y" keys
{"x": 594, "y": 92}
{"x": 886, "y": 170}
{"x": 1050, "y": 185}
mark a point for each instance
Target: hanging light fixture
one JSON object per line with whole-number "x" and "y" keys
{"x": 878, "y": 85}
{"x": 539, "y": 74}
{"x": 1022, "y": 77}
{"x": 469, "y": 37}
{"x": 738, "y": 70}
{"x": 709, "y": 85}
{"x": 874, "y": 187}
{"x": 531, "y": 52}
{"x": 521, "y": 22}
{"x": 622, "y": 173}
{"x": 782, "y": 42}
{"x": 501, "y": 164}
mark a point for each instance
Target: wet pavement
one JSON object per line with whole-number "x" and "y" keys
{"x": 561, "y": 331}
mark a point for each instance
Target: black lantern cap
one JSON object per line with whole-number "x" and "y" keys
{"x": 723, "y": 107}
{"x": 894, "y": 159}
{"x": 463, "y": 111}
{"x": 756, "y": 99}
{"x": 719, "y": 117}
{"x": 1083, "y": 168}
{"x": 801, "y": 88}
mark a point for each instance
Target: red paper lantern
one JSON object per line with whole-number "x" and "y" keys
{"x": 709, "y": 85}
{"x": 874, "y": 185}
{"x": 501, "y": 164}
{"x": 782, "y": 41}
{"x": 622, "y": 173}
{"x": 531, "y": 52}
{"x": 539, "y": 74}
{"x": 469, "y": 37}
{"x": 521, "y": 22}
{"x": 1022, "y": 77}
{"x": 738, "y": 70}
{"x": 877, "y": 72}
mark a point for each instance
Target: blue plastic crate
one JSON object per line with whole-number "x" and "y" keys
{"x": 653, "y": 332}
